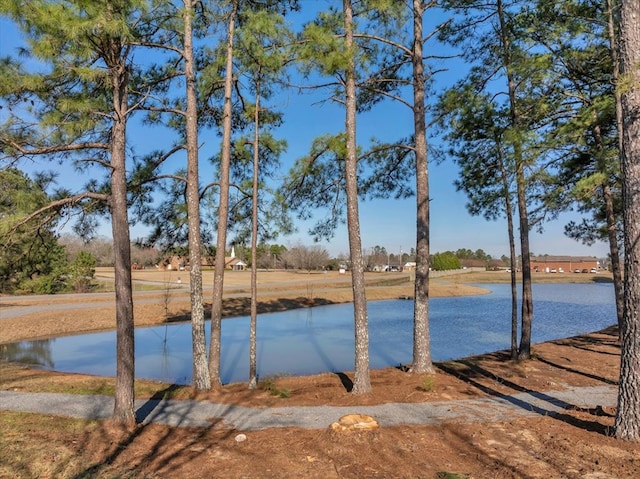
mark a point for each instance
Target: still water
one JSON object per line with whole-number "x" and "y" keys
{"x": 309, "y": 341}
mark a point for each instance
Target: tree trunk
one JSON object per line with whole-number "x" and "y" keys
{"x": 527, "y": 295}
{"x": 616, "y": 269}
{"x": 627, "y": 423}
{"x": 223, "y": 212}
{"x": 123, "y": 411}
{"x": 514, "y": 287}
{"x": 201, "y": 380}
{"x": 614, "y": 252}
{"x": 508, "y": 207}
{"x": 253, "y": 366}
{"x": 422, "y": 362}
{"x": 361, "y": 382}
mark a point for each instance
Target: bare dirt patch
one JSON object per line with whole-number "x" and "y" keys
{"x": 574, "y": 444}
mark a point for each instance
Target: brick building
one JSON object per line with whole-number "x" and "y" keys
{"x": 566, "y": 264}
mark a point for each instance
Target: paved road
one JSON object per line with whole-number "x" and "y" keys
{"x": 202, "y": 413}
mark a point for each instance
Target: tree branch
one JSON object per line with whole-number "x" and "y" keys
{"x": 55, "y": 149}
{"x": 52, "y": 207}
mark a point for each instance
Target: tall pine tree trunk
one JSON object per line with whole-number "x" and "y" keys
{"x": 627, "y": 423}
{"x": 123, "y": 411}
{"x": 614, "y": 250}
{"x": 253, "y": 353}
{"x": 223, "y": 211}
{"x": 422, "y": 362}
{"x": 519, "y": 160}
{"x": 610, "y": 218}
{"x": 201, "y": 380}
{"x": 361, "y": 382}
{"x": 514, "y": 286}
{"x": 524, "y": 351}
{"x": 508, "y": 208}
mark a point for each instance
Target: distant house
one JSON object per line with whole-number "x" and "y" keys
{"x": 497, "y": 264}
{"x": 236, "y": 264}
{"x": 231, "y": 262}
{"x": 468, "y": 263}
{"x": 566, "y": 264}
{"x": 409, "y": 266}
{"x": 175, "y": 262}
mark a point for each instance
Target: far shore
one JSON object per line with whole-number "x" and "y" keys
{"x": 168, "y": 299}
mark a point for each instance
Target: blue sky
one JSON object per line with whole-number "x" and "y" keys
{"x": 389, "y": 223}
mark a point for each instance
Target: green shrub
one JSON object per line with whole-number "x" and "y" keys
{"x": 270, "y": 384}
{"x": 428, "y": 383}
{"x": 81, "y": 272}
{"x": 444, "y": 261}
{"x": 47, "y": 284}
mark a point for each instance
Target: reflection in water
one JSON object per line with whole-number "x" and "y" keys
{"x": 309, "y": 341}
{"x": 164, "y": 349}
{"x": 36, "y": 353}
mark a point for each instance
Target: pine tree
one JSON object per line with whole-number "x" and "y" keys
{"x": 583, "y": 140}
{"x": 422, "y": 362}
{"x": 261, "y": 54}
{"x": 477, "y": 138}
{"x": 82, "y": 103}
{"x": 494, "y": 38}
{"x": 234, "y": 14}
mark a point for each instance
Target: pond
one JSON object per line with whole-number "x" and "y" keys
{"x": 310, "y": 341}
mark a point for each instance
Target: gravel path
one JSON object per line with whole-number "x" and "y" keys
{"x": 203, "y": 414}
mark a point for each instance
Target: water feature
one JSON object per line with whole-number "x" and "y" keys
{"x": 309, "y": 341}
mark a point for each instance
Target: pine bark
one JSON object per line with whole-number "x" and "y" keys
{"x": 627, "y": 423}
{"x": 524, "y": 351}
{"x": 223, "y": 211}
{"x": 123, "y": 411}
{"x": 612, "y": 230}
{"x": 508, "y": 208}
{"x": 361, "y": 382}
{"x": 614, "y": 252}
{"x": 422, "y": 362}
{"x": 253, "y": 323}
{"x": 200, "y": 378}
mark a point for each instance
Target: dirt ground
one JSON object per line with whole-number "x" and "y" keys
{"x": 574, "y": 444}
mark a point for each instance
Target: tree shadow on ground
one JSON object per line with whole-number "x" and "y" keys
{"x": 606, "y": 342}
{"x": 143, "y": 412}
{"x": 157, "y": 442}
{"x": 473, "y": 374}
{"x": 577, "y": 371}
